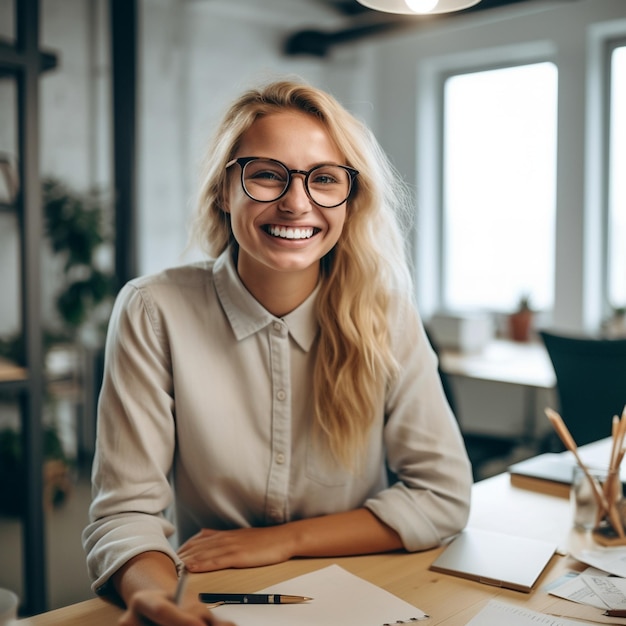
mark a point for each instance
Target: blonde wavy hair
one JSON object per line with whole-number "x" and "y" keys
{"x": 353, "y": 361}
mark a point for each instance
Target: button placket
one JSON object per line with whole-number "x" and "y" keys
{"x": 278, "y": 480}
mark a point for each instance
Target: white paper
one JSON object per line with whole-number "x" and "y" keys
{"x": 611, "y": 590}
{"x": 498, "y": 613}
{"x": 339, "y": 598}
{"x": 611, "y": 560}
{"x": 577, "y": 590}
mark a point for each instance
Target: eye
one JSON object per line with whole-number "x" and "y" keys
{"x": 324, "y": 179}
{"x": 267, "y": 174}
{"x": 260, "y": 171}
{"x": 328, "y": 175}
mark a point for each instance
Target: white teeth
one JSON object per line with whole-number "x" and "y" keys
{"x": 291, "y": 233}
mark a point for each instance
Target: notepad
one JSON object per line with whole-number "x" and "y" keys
{"x": 552, "y": 472}
{"x": 549, "y": 473}
{"x": 339, "y": 598}
{"x": 496, "y": 559}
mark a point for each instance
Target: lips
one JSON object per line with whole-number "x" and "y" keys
{"x": 289, "y": 232}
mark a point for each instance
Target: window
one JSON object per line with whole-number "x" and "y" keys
{"x": 617, "y": 181}
{"x": 499, "y": 185}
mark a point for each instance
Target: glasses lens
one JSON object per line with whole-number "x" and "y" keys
{"x": 264, "y": 180}
{"x": 329, "y": 185}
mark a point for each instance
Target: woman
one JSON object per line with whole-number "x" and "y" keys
{"x": 274, "y": 385}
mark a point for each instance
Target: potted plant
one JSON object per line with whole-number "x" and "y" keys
{"x": 614, "y": 327}
{"x": 80, "y": 238}
{"x": 76, "y": 230}
{"x": 521, "y": 320}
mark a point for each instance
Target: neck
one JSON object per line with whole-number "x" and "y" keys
{"x": 279, "y": 292}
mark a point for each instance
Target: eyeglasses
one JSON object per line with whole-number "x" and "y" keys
{"x": 267, "y": 180}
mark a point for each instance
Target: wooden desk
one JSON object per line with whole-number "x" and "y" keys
{"x": 509, "y": 362}
{"x": 449, "y": 600}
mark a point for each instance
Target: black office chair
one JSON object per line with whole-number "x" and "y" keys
{"x": 590, "y": 384}
{"x": 481, "y": 449}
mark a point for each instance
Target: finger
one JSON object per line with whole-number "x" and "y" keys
{"x": 203, "y": 533}
{"x": 210, "y": 563}
{"x": 163, "y": 613}
{"x": 194, "y": 542}
{"x": 193, "y": 548}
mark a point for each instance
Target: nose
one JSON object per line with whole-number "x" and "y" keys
{"x": 296, "y": 199}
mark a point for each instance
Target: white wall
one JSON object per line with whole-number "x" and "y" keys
{"x": 195, "y": 58}
{"x": 74, "y": 131}
{"x": 75, "y": 128}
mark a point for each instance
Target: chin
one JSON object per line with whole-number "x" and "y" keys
{"x": 294, "y": 262}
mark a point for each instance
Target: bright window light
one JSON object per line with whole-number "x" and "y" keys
{"x": 617, "y": 181}
{"x": 499, "y": 180}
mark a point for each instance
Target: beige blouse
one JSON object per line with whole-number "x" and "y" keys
{"x": 205, "y": 418}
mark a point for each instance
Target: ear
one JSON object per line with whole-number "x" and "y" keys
{"x": 224, "y": 205}
{"x": 225, "y": 191}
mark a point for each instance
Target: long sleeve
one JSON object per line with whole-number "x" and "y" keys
{"x": 135, "y": 444}
{"x": 423, "y": 444}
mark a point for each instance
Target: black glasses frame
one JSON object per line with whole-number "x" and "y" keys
{"x": 243, "y": 161}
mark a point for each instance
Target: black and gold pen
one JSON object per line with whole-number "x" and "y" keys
{"x": 251, "y": 598}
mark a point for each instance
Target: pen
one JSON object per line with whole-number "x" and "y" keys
{"x": 615, "y": 613}
{"x": 180, "y": 587}
{"x": 251, "y": 598}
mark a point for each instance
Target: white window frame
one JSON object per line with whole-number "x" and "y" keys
{"x": 443, "y": 77}
{"x": 610, "y": 46}
{"x": 432, "y": 71}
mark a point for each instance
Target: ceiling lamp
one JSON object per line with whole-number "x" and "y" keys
{"x": 413, "y": 7}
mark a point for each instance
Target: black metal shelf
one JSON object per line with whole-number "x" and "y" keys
{"x": 13, "y": 386}
{"x": 23, "y": 62}
{"x": 12, "y": 59}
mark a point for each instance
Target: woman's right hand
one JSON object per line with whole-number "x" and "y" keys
{"x": 152, "y": 606}
{"x": 148, "y": 584}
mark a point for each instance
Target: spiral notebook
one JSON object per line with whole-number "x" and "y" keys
{"x": 339, "y": 597}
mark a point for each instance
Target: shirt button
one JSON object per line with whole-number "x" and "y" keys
{"x": 281, "y": 394}
{"x": 280, "y": 458}
{"x": 278, "y": 327}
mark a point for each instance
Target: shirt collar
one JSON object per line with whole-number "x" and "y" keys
{"x": 247, "y": 316}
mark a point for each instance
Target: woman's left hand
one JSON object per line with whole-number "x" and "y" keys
{"x": 211, "y": 550}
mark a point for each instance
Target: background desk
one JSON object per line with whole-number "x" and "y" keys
{"x": 496, "y": 506}
{"x": 522, "y": 365}
{"x": 503, "y": 361}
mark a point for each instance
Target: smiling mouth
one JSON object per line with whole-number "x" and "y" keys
{"x": 285, "y": 232}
